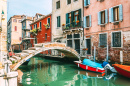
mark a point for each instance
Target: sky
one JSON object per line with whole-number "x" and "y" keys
{"x": 28, "y": 7}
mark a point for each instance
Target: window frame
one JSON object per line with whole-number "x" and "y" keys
{"x": 58, "y": 6}
{"x": 45, "y": 36}
{"x": 112, "y": 39}
{"x": 68, "y": 2}
{"x": 103, "y": 22}
{"x": 116, "y": 14}
{"x": 48, "y": 22}
{"x": 58, "y": 21}
{"x": 106, "y": 39}
{"x": 75, "y": 1}
{"x": 90, "y": 21}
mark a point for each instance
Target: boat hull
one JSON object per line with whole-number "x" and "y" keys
{"x": 120, "y": 69}
{"x": 89, "y": 68}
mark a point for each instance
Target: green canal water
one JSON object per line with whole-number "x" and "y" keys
{"x": 44, "y": 72}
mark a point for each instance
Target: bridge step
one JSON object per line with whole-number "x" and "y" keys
{"x": 12, "y": 59}
{"x": 34, "y": 48}
{"x": 28, "y": 51}
{"x": 38, "y": 45}
{"x": 21, "y": 54}
{"x": 16, "y": 57}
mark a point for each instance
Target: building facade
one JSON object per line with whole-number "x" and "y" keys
{"x": 67, "y": 23}
{"x": 3, "y": 29}
{"x": 26, "y": 21}
{"x": 107, "y": 26}
{"x": 41, "y": 30}
{"x": 14, "y": 32}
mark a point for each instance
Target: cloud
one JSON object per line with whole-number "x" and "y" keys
{"x": 28, "y": 7}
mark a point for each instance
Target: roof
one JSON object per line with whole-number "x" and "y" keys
{"x": 41, "y": 18}
{"x": 39, "y": 14}
{"x": 17, "y": 17}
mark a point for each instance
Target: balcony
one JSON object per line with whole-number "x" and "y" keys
{"x": 72, "y": 26}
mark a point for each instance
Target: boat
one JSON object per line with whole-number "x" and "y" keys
{"x": 26, "y": 62}
{"x": 123, "y": 70}
{"x": 90, "y": 66}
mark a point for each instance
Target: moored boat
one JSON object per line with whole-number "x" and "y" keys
{"x": 90, "y": 66}
{"x": 123, "y": 70}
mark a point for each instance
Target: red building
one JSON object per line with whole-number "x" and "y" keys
{"x": 41, "y": 29}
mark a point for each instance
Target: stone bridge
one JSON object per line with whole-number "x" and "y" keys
{"x": 20, "y": 58}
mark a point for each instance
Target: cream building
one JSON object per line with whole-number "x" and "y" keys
{"x": 3, "y": 29}
{"x": 14, "y": 31}
{"x": 67, "y": 23}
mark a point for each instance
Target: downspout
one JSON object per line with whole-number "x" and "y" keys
{"x": 83, "y": 18}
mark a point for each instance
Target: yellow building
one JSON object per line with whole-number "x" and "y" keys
{"x": 3, "y": 29}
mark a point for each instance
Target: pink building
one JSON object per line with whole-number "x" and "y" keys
{"x": 107, "y": 22}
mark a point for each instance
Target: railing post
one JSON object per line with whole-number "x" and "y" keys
{"x": 94, "y": 53}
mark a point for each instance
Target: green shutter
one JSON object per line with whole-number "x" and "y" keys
{"x": 49, "y": 21}
{"x": 59, "y": 21}
{"x": 85, "y": 3}
{"x": 80, "y": 19}
{"x": 72, "y": 18}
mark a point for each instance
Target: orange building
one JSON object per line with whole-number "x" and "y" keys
{"x": 41, "y": 30}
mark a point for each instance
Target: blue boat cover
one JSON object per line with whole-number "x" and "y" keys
{"x": 91, "y": 63}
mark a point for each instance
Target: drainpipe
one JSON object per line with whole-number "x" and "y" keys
{"x": 83, "y": 18}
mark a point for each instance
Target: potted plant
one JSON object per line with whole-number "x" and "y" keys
{"x": 39, "y": 28}
{"x": 63, "y": 24}
{"x": 33, "y": 32}
{"x": 47, "y": 26}
{"x": 77, "y": 21}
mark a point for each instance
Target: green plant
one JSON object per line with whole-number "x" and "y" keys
{"x": 47, "y": 26}
{"x": 13, "y": 62}
{"x": 34, "y": 31}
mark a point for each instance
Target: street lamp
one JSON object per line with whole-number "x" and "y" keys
{"x": 2, "y": 18}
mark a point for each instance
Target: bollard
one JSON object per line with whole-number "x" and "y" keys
{"x": 12, "y": 78}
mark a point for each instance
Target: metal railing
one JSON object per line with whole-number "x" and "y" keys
{"x": 73, "y": 25}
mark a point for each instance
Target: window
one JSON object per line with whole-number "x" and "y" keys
{"x": 116, "y": 13}
{"x": 86, "y": 2}
{"x": 87, "y": 21}
{"x": 68, "y": 1}
{"x": 76, "y": 35}
{"x": 58, "y": 21}
{"x": 103, "y": 40}
{"x": 19, "y": 21}
{"x": 35, "y": 26}
{"x": 20, "y": 38}
{"x": 75, "y": 0}
{"x": 15, "y": 29}
{"x": 116, "y": 39}
{"x": 57, "y": 4}
{"x": 23, "y": 24}
{"x": 40, "y": 24}
{"x": 73, "y": 19}
{"x": 69, "y": 36}
{"x": 45, "y": 36}
{"x": 14, "y": 20}
{"x": 102, "y": 17}
{"x": 31, "y": 27}
{"x": 48, "y": 21}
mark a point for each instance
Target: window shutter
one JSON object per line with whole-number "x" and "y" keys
{"x": 90, "y": 21}
{"x": 88, "y": 2}
{"x": 36, "y": 25}
{"x": 59, "y": 21}
{"x": 72, "y": 18}
{"x": 49, "y": 21}
{"x": 106, "y": 16}
{"x": 67, "y": 18}
{"x": 85, "y": 22}
{"x": 80, "y": 15}
{"x": 120, "y": 13}
{"x": 111, "y": 15}
{"x": 85, "y": 2}
{"x": 99, "y": 18}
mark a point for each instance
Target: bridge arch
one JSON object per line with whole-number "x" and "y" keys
{"x": 38, "y": 48}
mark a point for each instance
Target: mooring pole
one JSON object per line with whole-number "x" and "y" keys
{"x": 107, "y": 54}
{"x": 94, "y": 53}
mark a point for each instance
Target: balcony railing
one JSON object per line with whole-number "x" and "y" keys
{"x": 73, "y": 25}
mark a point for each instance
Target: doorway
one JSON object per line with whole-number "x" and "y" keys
{"x": 77, "y": 45}
{"x": 88, "y": 45}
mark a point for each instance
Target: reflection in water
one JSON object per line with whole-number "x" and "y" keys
{"x": 42, "y": 72}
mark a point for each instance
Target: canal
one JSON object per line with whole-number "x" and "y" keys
{"x": 44, "y": 72}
